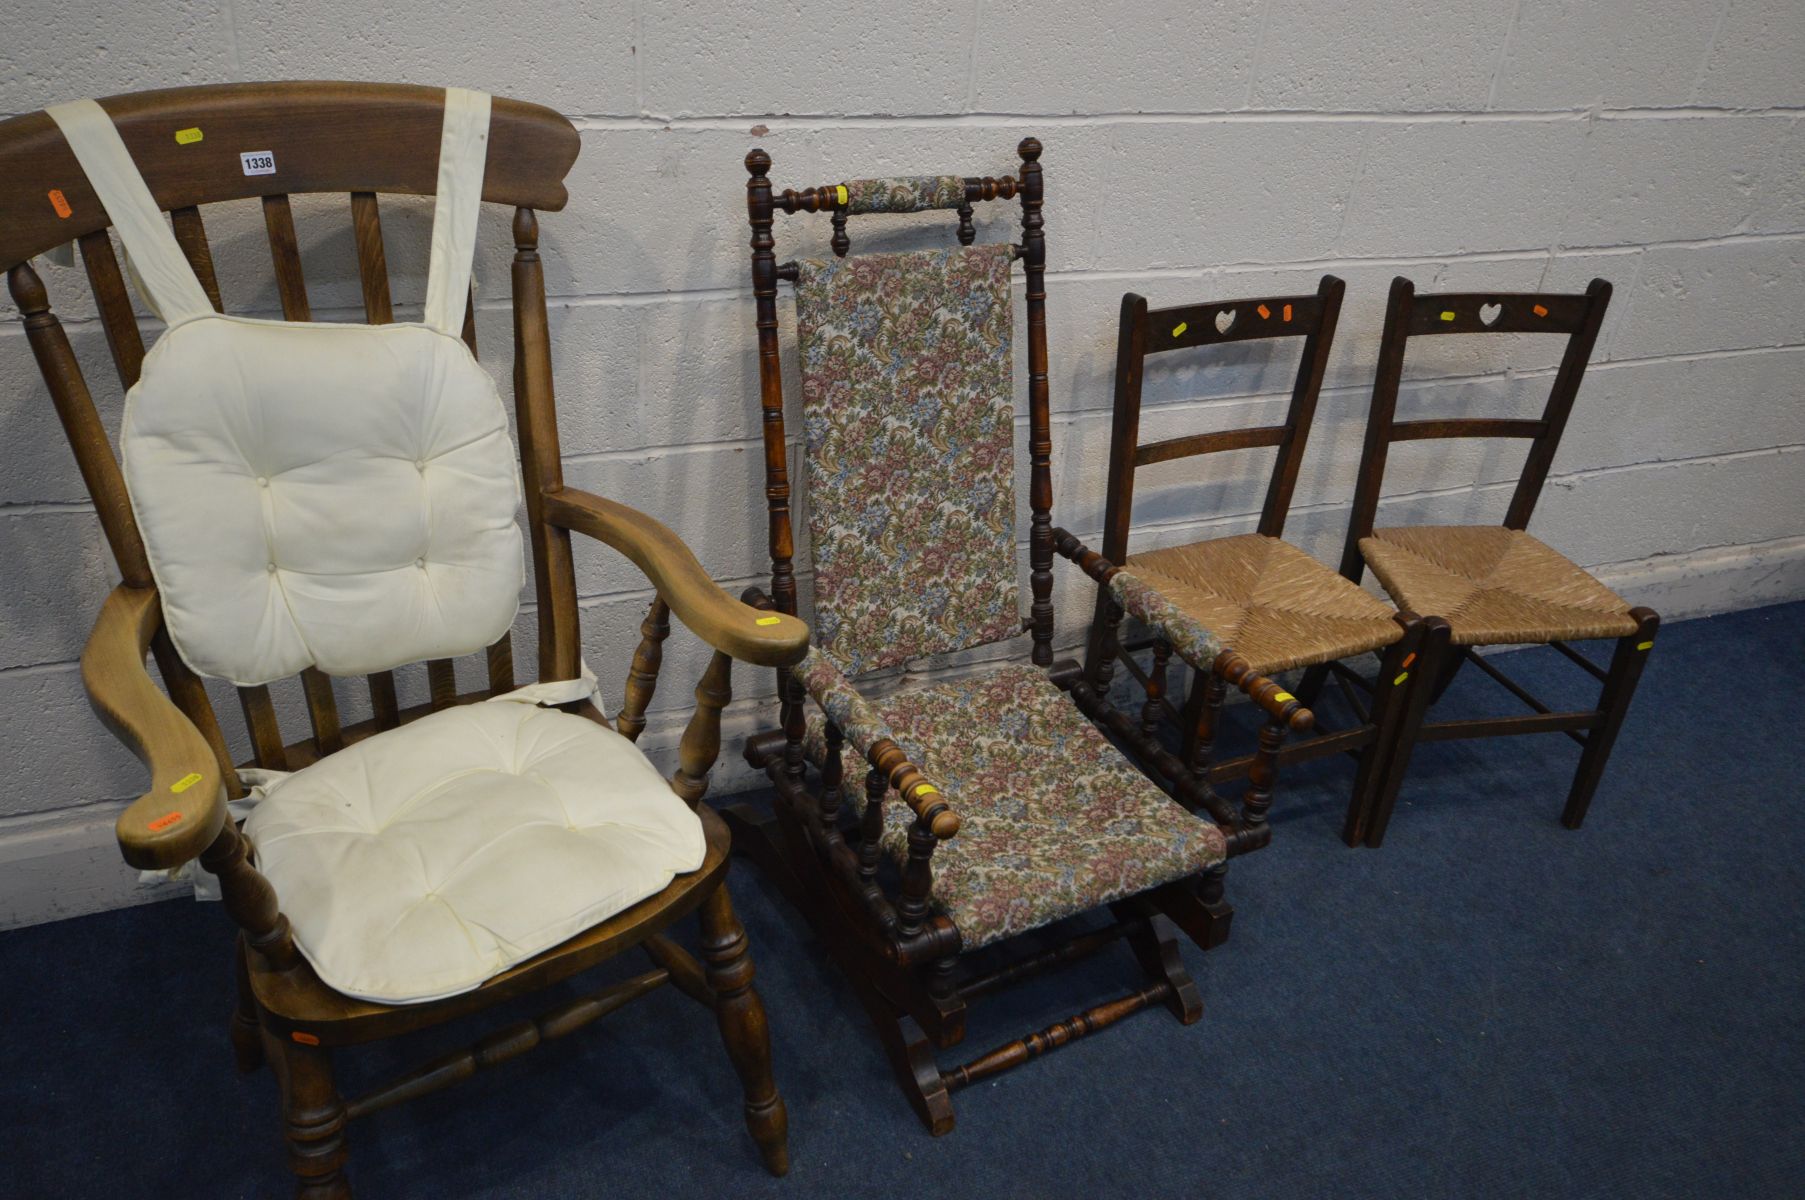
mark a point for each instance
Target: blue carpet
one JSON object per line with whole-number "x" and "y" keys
{"x": 1488, "y": 1006}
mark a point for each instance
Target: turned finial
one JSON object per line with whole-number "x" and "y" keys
{"x": 1029, "y": 149}
{"x": 758, "y": 162}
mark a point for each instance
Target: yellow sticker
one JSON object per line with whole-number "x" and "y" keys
{"x": 185, "y": 782}
{"x": 1400, "y": 679}
{"x": 840, "y": 191}
{"x": 926, "y": 789}
{"x": 767, "y": 620}
{"x": 1179, "y": 329}
{"x": 189, "y": 136}
{"x": 1644, "y": 645}
{"x": 1447, "y": 316}
{"x": 1282, "y": 697}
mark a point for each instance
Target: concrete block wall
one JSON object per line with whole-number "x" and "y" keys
{"x": 1193, "y": 151}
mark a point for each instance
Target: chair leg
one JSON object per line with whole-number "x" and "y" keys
{"x": 313, "y": 1120}
{"x": 1203, "y": 707}
{"x": 743, "y": 1027}
{"x": 1310, "y": 686}
{"x": 1156, "y": 689}
{"x": 247, "y": 1036}
{"x": 1391, "y": 698}
{"x": 1419, "y": 695}
{"x": 1154, "y": 941}
{"x": 1619, "y": 688}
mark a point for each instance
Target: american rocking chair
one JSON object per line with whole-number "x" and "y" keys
{"x": 990, "y": 806}
{"x": 1479, "y": 585}
{"x": 435, "y": 859}
{"x": 1278, "y": 607}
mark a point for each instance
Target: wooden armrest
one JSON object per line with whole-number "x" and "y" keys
{"x": 862, "y": 725}
{"x": 185, "y": 807}
{"x": 765, "y": 638}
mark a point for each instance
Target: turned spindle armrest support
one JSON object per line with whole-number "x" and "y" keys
{"x": 767, "y": 639}
{"x": 854, "y": 717}
{"x": 1189, "y": 637}
{"x": 185, "y": 807}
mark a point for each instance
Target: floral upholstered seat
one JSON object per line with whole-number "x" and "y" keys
{"x": 1055, "y": 821}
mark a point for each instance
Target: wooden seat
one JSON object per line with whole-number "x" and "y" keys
{"x": 1278, "y": 607}
{"x": 1478, "y": 586}
{"x": 358, "y": 140}
{"x": 1494, "y": 586}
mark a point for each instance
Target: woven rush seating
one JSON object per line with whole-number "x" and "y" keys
{"x": 1054, "y": 820}
{"x": 1278, "y": 607}
{"x": 1493, "y": 585}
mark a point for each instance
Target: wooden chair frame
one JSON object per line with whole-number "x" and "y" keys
{"x": 360, "y": 139}
{"x": 1144, "y": 332}
{"x": 1578, "y": 318}
{"x": 900, "y": 956}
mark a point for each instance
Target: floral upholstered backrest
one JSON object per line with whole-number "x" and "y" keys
{"x": 907, "y": 410}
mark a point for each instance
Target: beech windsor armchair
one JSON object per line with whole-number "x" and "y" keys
{"x": 1480, "y": 585}
{"x": 990, "y": 805}
{"x": 358, "y": 140}
{"x": 1278, "y": 607}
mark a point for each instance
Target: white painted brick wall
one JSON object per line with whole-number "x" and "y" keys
{"x": 1194, "y": 151}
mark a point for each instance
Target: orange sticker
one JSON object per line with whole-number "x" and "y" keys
{"x": 165, "y": 821}
{"x": 1408, "y": 659}
{"x": 306, "y": 1039}
{"x": 1287, "y": 312}
{"x": 60, "y": 204}
{"x": 1263, "y": 311}
{"x": 1539, "y": 311}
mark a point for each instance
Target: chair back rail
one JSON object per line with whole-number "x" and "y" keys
{"x": 1575, "y": 316}
{"x": 353, "y": 138}
{"x": 1143, "y": 331}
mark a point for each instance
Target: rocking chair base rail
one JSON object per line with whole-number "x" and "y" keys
{"x": 1059, "y": 1033}
{"x": 296, "y": 1005}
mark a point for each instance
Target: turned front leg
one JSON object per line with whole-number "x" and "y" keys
{"x": 744, "y": 1028}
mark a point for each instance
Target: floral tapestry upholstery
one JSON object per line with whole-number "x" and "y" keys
{"x": 850, "y": 712}
{"x": 913, "y": 193}
{"x": 1184, "y": 633}
{"x": 1053, "y": 820}
{"x": 910, "y": 430}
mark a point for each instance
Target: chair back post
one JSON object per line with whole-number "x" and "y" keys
{"x": 1302, "y": 410}
{"x": 536, "y": 416}
{"x": 1125, "y": 426}
{"x": 1378, "y": 424}
{"x": 1040, "y": 449}
{"x": 761, "y": 213}
{"x": 1560, "y": 406}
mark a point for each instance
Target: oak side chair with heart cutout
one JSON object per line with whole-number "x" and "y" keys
{"x": 990, "y": 806}
{"x": 1493, "y": 585}
{"x": 545, "y": 827}
{"x": 1278, "y": 607}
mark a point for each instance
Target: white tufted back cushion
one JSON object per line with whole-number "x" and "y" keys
{"x": 339, "y": 496}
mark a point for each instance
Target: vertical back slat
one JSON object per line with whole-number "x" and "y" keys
{"x": 383, "y": 704}
{"x": 191, "y": 236}
{"x": 322, "y": 710}
{"x": 265, "y": 730}
{"x": 372, "y": 259}
{"x": 442, "y": 680}
{"x": 501, "y": 666}
{"x": 470, "y": 321}
{"x": 285, "y": 252}
{"x": 115, "y": 303}
{"x": 87, "y": 436}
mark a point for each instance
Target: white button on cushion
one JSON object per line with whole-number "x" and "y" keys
{"x": 258, "y": 440}
{"x": 425, "y": 860}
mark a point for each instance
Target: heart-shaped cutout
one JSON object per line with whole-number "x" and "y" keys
{"x": 1488, "y": 313}
{"x": 1225, "y": 320}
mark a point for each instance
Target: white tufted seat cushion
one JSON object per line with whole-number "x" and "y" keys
{"x": 331, "y": 495}
{"x": 425, "y": 860}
